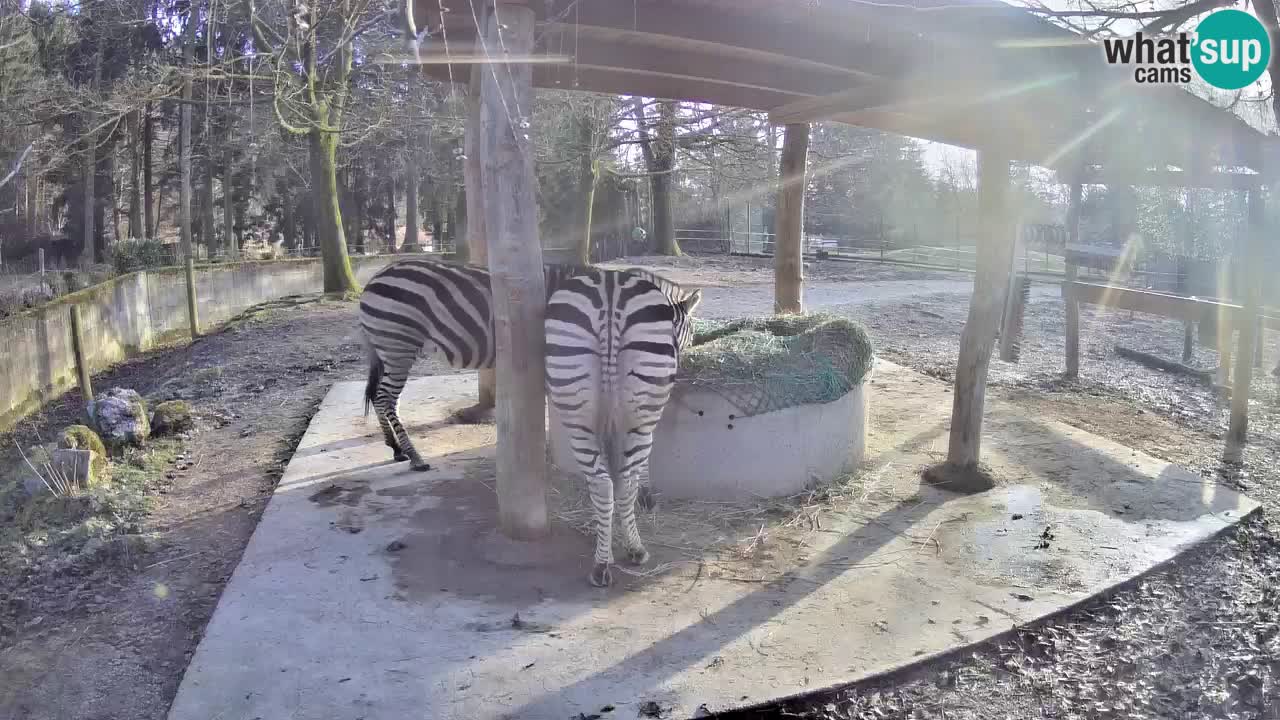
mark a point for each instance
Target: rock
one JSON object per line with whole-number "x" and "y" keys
{"x": 82, "y": 437}
{"x": 121, "y": 418}
{"x": 171, "y": 418}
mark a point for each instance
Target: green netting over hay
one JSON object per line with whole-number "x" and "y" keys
{"x": 764, "y": 364}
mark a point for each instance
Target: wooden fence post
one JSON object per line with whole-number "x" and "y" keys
{"x": 192, "y": 310}
{"x": 1237, "y": 430}
{"x": 77, "y": 350}
{"x": 1069, "y": 276}
{"x": 515, "y": 261}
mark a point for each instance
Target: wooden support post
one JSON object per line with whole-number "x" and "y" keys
{"x": 1259, "y": 344}
{"x": 1072, "y": 307}
{"x": 515, "y": 260}
{"x": 788, "y": 223}
{"x": 1251, "y": 261}
{"x": 193, "y": 313}
{"x": 477, "y": 239}
{"x": 77, "y": 350}
{"x": 978, "y": 339}
{"x": 1008, "y": 338}
{"x": 1225, "y": 333}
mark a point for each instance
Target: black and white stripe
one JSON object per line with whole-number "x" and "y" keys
{"x": 414, "y": 302}
{"x": 613, "y": 340}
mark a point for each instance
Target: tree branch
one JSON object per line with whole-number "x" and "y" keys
{"x": 16, "y": 166}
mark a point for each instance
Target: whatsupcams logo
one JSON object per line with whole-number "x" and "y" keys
{"x": 1229, "y": 50}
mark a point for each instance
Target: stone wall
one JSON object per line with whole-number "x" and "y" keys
{"x": 133, "y": 313}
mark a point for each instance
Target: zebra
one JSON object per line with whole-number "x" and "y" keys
{"x": 416, "y": 301}
{"x": 613, "y": 341}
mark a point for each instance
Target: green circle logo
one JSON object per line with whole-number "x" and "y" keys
{"x": 1231, "y": 49}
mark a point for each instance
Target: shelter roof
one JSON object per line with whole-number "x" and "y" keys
{"x": 974, "y": 73}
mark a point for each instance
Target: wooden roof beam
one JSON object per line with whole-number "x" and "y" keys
{"x": 614, "y": 81}
{"x": 879, "y": 97}
{"x": 1175, "y": 179}
{"x": 733, "y": 31}
{"x": 685, "y": 63}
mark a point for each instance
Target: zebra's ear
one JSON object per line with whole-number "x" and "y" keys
{"x": 691, "y": 301}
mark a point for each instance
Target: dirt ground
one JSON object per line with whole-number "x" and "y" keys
{"x": 1200, "y": 639}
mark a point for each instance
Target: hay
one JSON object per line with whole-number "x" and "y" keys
{"x": 765, "y": 364}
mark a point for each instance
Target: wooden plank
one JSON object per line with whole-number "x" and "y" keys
{"x": 1072, "y": 305}
{"x": 978, "y": 338}
{"x": 1157, "y": 303}
{"x": 515, "y": 260}
{"x": 1238, "y": 427}
{"x": 788, "y": 261}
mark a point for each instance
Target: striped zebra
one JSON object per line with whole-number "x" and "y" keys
{"x": 613, "y": 341}
{"x": 415, "y": 302}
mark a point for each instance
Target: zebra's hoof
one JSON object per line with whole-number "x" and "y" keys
{"x": 401, "y": 457}
{"x": 601, "y": 576}
{"x": 420, "y": 467}
{"x": 638, "y": 556}
{"x": 645, "y": 498}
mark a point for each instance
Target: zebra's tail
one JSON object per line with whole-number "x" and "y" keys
{"x": 375, "y": 377}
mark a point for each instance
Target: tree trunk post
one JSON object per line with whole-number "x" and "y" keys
{"x": 1251, "y": 261}
{"x": 978, "y": 339}
{"x": 391, "y": 213}
{"x": 229, "y": 245}
{"x": 134, "y": 131}
{"x": 410, "y": 203}
{"x": 1072, "y": 306}
{"x": 788, "y": 253}
{"x": 90, "y": 198}
{"x": 515, "y": 258}
{"x": 148, "y": 200}
{"x": 477, "y": 238}
{"x": 584, "y": 245}
{"x": 338, "y": 277}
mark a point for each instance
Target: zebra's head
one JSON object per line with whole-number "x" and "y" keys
{"x": 684, "y": 304}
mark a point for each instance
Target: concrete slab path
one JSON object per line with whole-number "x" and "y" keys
{"x": 369, "y": 591}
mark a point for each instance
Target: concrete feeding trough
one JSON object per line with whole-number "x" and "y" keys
{"x": 762, "y": 408}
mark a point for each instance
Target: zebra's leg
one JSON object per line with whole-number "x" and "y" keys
{"x": 645, "y": 498}
{"x": 625, "y": 491}
{"x": 387, "y": 401}
{"x": 600, "y": 488}
{"x": 594, "y": 470}
{"x": 390, "y": 437}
